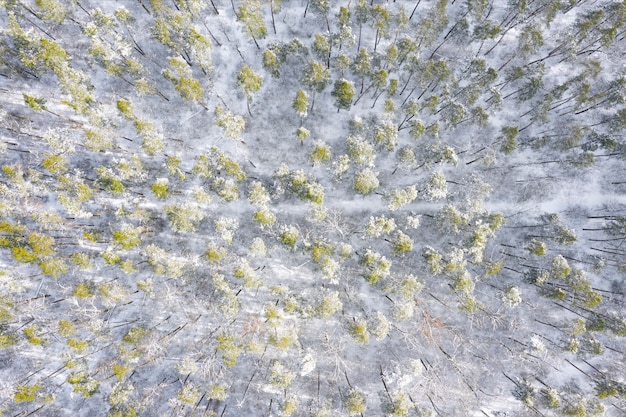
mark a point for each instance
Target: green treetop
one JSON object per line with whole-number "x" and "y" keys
{"x": 250, "y": 82}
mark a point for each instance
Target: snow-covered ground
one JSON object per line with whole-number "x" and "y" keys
{"x": 436, "y": 229}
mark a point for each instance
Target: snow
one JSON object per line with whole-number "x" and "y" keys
{"x": 463, "y": 340}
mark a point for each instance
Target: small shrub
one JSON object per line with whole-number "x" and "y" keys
{"x": 160, "y": 188}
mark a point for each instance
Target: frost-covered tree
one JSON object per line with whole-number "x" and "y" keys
{"x": 362, "y": 65}
{"x": 316, "y": 77}
{"x": 250, "y": 14}
{"x": 301, "y": 103}
{"x": 361, "y": 151}
{"x": 271, "y": 62}
{"x": 249, "y": 82}
{"x": 402, "y": 243}
{"x": 233, "y": 125}
{"x": 321, "y": 153}
{"x": 378, "y": 226}
{"x": 343, "y": 92}
{"x": 181, "y": 76}
{"x": 322, "y": 48}
{"x": 344, "y": 37}
{"x": 185, "y": 216}
{"x": 437, "y": 187}
{"x": 366, "y": 181}
{"x": 386, "y": 135}
{"x": 400, "y": 197}
{"x": 355, "y": 403}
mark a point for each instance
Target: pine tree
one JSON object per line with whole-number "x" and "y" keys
{"x": 316, "y": 77}
{"x": 251, "y": 16}
{"x": 301, "y": 103}
{"x": 250, "y": 82}
{"x": 343, "y": 92}
{"x": 362, "y": 65}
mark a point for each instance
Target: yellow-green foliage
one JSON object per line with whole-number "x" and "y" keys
{"x": 377, "y": 266}
{"x": 300, "y": 184}
{"x": 280, "y": 376}
{"x": 5, "y": 312}
{"x": 135, "y": 335}
{"x": 226, "y": 189}
{"x": 41, "y": 245}
{"x": 282, "y": 341}
{"x": 120, "y": 371}
{"x": 321, "y": 250}
{"x": 289, "y": 406}
{"x": 273, "y": 315}
{"x": 243, "y": 269}
{"x": 366, "y": 181}
{"x": 113, "y": 290}
{"x": 7, "y": 340}
{"x": 80, "y": 346}
{"x": 123, "y": 412}
{"x": 358, "y": 330}
{"x": 66, "y": 328}
{"x": 110, "y": 257}
{"x": 81, "y": 260}
{"x": 108, "y": 181}
{"x": 536, "y": 247}
{"x": 302, "y": 133}
{"x": 463, "y": 282}
{"x": 25, "y": 393}
{"x": 233, "y": 125}
{"x": 470, "y": 305}
{"x": 496, "y": 221}
{"x": 408, "y": 287}
{"x": 31, "y": 335}
{"x": 160, "y": 188}
{"x": 379, "y": 225}
{"x": 402, "y": 243}
{"x": 257, "y": 194}
{"x": 127, "y": 237}
{"x": 83, "y": 384}
{"x": 126, "y": 108}
{"x": 189, "y": 88}
{"x": 215, "y": 253}
{"x": 289, "y": 235}
{"x": 264, "y": 217}
{"x": 508, "y": 139}
{"x": 12, "y": 228}
{"x": 301, "y": 103}
{"x": 90, "y": 236}
{"x": 218, "y": 392}
{"x": 83, "y": 290}
{"x": 355, "y": 403}
{"x": 188, "y": 394}
{"x": 493, "y": 268}
{"x": 22, "y": 254}
{"x": 152, "y": 144}
{"x": 55, "y": 267}
{"x": 55, "y": 164}
{"x": 184, "y": 217}
{"x": 249, "y": 81}
{"x": 329, "y": 304}
{"x": 230, "y": 350}
{"x": 35, "y": 103}
{"x": 230, "y": 166}
{"x": 321, "y": 153}
{"x": 550, "y": 397}
{"x": 559, "y": 268}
